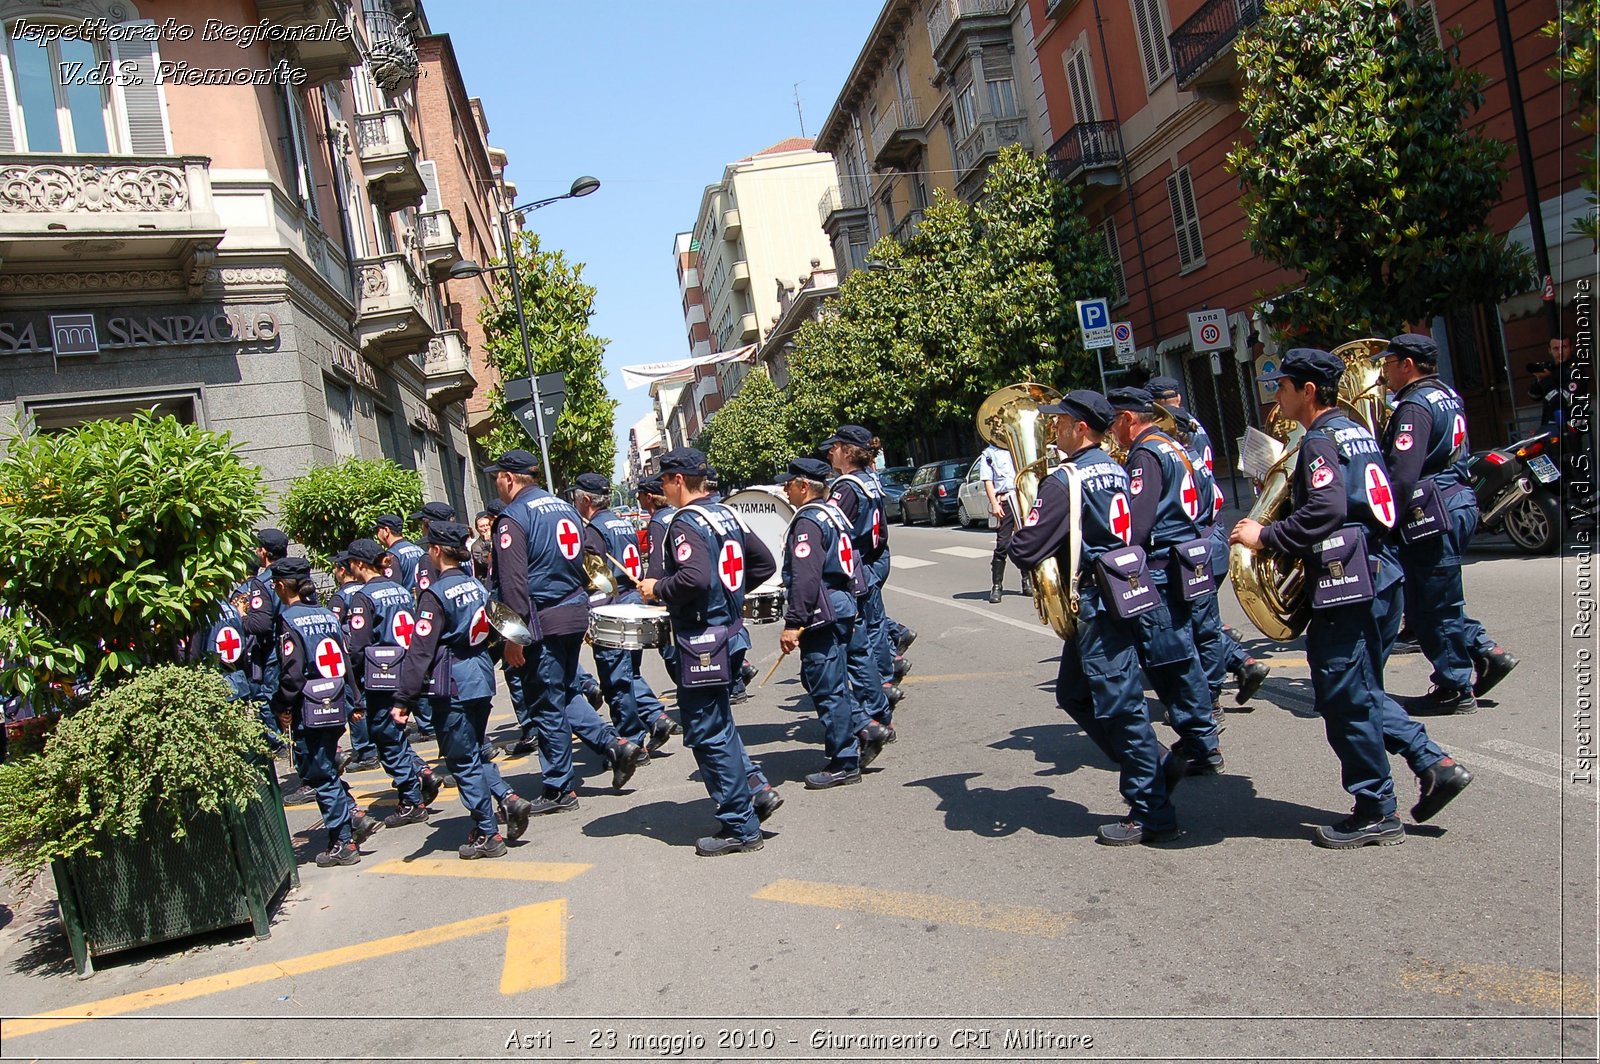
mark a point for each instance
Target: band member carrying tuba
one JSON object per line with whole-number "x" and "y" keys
{"x": 1082, "y": 520}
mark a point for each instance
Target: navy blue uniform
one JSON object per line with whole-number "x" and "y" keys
{"x": 822, "y": 574}
{"x": 1426, "y": 440}
{"x": 633, "y": 705}
{"x": 383, "y": 614}
{"x": 259, "y": 621}
{"x": 451, "y": 644}
{"x": 709, "y": 562}
{"x": 1098, "y": 682}
{"x": 225, "y": 644}
{"x": 1330, "y": 490}
{"x": 1166, "y": 500}
{"x": 312, "y": 648}
{"x": 859, "y": 497}
{"x": 402, "y": 568}
{"x": 361, "y": 745}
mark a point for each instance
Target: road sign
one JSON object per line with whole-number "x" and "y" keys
{"x": 1095, "y": 320}
{"x": 1208, "y": 330}
{"x": 1267, "y": 390}
{"x": 552, "y": 397}
{"x": 1122, "y": 333}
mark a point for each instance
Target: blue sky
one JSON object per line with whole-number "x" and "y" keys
{"x": 654, "y": 99}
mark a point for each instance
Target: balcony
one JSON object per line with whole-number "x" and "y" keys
{"x": 898, "y": 137}
{"x": 145, "y": 212}
{"x": 389, "y": 159}
{"x": 907, "y": 227}
{"x": 749, "y": 328}
{"x": 841, "y": 207}
{"x": 1090, "y": 151}
{"x": 1202, "y": 52}
{"x": 731, "y": 225}
{"x": 696, "y": 315}
{"x": 1057, "y": 8}
{"x": 983, "y": 144}
{"x": 690, "y": 279}
{"x": 323, "y": 61}
{"x": 393, "y": 310}
{"x": 447, "y": 369}
{"x": 391, "y": 55}
{"x": 961, "y": 16}
{"x": 436, "y": 236}
{"x": 741, "y": 276}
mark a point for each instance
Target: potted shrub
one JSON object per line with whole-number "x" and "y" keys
{"x": 118, "y": 540}
{"x": 328, "y": 506}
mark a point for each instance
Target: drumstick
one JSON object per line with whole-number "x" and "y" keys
{"x": 774, "y": 668}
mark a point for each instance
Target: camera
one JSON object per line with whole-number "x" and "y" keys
{"x": 1541, "y": 367}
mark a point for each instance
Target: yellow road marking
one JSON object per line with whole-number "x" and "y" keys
{"x": 952, "y": 676}
{"x": 529, "y": 871}
{"x": 1014, "y": 919}
{"x": 1535, "y": 987}
{"x": 536, "y": 956}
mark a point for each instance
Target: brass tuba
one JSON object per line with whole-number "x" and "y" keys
{"x": 1270, "y": 586}
{"x": 1010, "y": 418}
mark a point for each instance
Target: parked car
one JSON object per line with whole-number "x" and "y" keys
{"x": 932, "y": 494}
{"x": 972, "y": 502}
{"x": 895, "y": 481}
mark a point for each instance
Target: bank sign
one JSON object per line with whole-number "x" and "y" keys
{"x": 88, "y": 333}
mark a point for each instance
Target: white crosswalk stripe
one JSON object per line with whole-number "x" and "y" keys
{"x": 901, "y": 561}
{"x": 964, "y": 552}
{"x": 1529, "y": 775}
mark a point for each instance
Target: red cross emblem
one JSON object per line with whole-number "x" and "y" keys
{"x": 422, "y": 579}
{"x": 229, "y": 645}
{"x": 1216, "y": 500}
{"x": 567, "y": 539}
{"x": 1121, "y": 518}
{"x": 1207, "y": 456}
{"x": 388, "y": 572}
{"x": 877, "y": 526}
{"x": 1379, "y": 497}
{"x": 330, "y": 659}
{"x": 505, "y": 540}
{"x": 402, "y": 627}
{"x": 731, "y": 570}
{"x": 1189, "y": 496}
{"x": 630, "y": 560}
{"x": 847, "y": 556}
{"x": 480, "y": 627}
{"x": 1458, "y": 433}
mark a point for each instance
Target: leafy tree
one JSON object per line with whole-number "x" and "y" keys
{"x": 1575, "y": 30}
{"x": 558, "y": 306}
{"x": 119, "y": 538}
{"x": 1360, "y": 172}
{"x": 328, "y": 506}
{"x": 981, "y": 297}
{"x": 746, "y": 440}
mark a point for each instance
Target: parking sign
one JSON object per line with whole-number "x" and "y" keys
{"x": 1094, "y": 319}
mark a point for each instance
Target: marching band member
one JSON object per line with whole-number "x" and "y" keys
{"x": 849, "y": 452}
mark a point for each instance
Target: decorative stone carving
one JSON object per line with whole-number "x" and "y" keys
{"x": 374, "y": 280}
{"x": 14, "y": 283}
{"x": 199, "y": 268}
{"x": 53, "y": 188}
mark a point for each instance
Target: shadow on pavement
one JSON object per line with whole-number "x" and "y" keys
{"x": 672, "y": 823}
{"x": 1061, "y": 748}
{"x": 995, "y": 813}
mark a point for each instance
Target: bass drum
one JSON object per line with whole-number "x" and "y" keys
{"x": 768, "y": 516}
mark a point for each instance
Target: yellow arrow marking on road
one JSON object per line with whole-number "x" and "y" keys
{"x": 1533, "y": 987}
{"x": 1015, "y": 919}
{"x": 536, "y": 956}
{"x": 529, "y": 871}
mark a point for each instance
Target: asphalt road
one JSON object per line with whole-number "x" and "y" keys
{"x": 956, "y": 889}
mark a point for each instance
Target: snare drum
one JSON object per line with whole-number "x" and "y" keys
{"x": 629, "y": 626}
{"x": 764, "y": 606}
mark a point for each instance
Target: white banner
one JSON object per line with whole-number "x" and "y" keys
{"x": 648, "y": 373}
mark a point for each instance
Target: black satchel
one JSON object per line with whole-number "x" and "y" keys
{"x": 703, "y": 656}
{"x": 383, "y": 668}
{"x": 322, "y": 703}
{"x": 1424, "y": 516}
{"x": 1124, "y": 579}
{"x": 1193, "y": 569}
{"x": 1342, "y": 569}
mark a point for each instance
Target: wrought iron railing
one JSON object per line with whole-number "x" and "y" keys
{"x": 1208, "y": 33}
{"x": 904, "y": 115}
{"x": 949, "y": 12}
{"x": 1086, "y": 146}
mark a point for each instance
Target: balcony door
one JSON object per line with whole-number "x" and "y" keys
{"x": 54, "y": 97}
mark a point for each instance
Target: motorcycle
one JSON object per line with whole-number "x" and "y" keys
{"x": 1519, "y": 489}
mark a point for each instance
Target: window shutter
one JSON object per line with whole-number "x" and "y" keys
{"x": 8, "y": 137}
{"x": 302, "y": 149}
{"x": 1192, "y": 213}
{"x": 141, "y": 100}
{"x": 1153, "y": 49}
{"x": 1185, "y": 256}
{"x": 1108, "y": 233}
{"x": 996, "y": 62}
{"x": 1185, "y": 218}
{"x": 1083, "y": 108}
{"x": 430, "y": 182}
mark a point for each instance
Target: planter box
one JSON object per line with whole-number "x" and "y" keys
{"x": 229, "y": 870}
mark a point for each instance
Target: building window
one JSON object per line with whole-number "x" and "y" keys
{"x": 966, "y": 110}
{"x": 341, "y": 418}
{"x": 1150, "y": 22}
{"x": 1119, "y": 280}
{"x": 1002, "y": 97}
{"x": 1186, "y": 220}
{"x": 1081, "y": 84}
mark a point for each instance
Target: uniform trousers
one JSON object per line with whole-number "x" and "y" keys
{"x": 362, "y": 747}
{"x": 877, "y": 618}
{"x": 316, "y": 752}
{"x": 1436, "y": 604}
{"x": 824, "y": 670}
{"x": 709, "y": 733}
{"x": 394, "y": 749}
{"x": 459, "y": 726}
{"x": 1344, "y": 650}
{"x": 1165, "y": 640}
{"x": 1099, "y": 688}
{"x": 549, "y": 682}
{"x": 1003, "y": 531}
{"x": 866, "y": 678}
{"x": 1401, "y": 734}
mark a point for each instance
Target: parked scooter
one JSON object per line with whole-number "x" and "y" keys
{"x": 1519, "y": 490}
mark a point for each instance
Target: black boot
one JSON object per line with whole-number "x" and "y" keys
{"x": 997, "y": 573}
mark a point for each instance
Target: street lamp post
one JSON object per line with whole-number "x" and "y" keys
{"x": 581, "y": 187}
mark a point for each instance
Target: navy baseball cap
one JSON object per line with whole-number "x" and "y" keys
{"x": 448, "y": 534}
{"x": 806, "y": 469}
{"x": 435, "y": 511}
{"x": 365, "y": 550}
{"x": 389, "y": 521}
{"x": 686, "y": 460}
{"x": 650, "y": 485}
{"x": 291, "y": 569}
{"x": 855, "y": 434}
{"x": 515, "y": 461}
{"x": 1091, "y": 408}
{"x": 593, "y": 483}
{"x": 495, "y": 507}
{"x": 1308, "y": 365}
{"x": 341, "y": 559}
{"x": 1164, "y": 387}
{"x": 1415, "y": 346}
{"x": 276, "y": 543}
{"x": 1139, "y": 400}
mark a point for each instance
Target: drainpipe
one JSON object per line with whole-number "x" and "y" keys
{"x": 1530, "y": 184}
